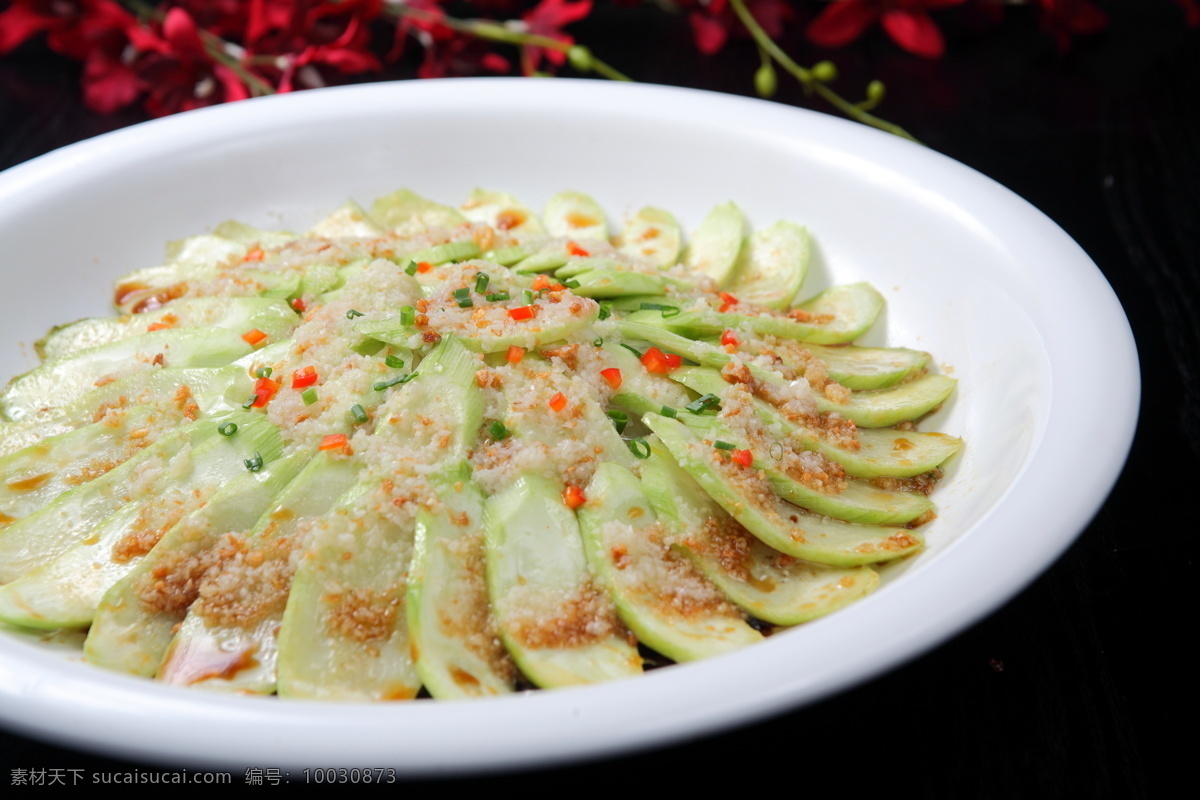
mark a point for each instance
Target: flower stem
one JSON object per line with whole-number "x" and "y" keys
{"x": 806, "y": 79}
{"x": 486, "y": 29}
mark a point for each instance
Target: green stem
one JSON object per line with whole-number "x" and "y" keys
{"x": 806, "y": 77}
{"x": 484, "y": 29}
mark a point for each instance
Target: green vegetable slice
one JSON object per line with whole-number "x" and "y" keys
{"x": 503, "y": 212}
{"x": 667, "y": 604}
{"x": 772, "y": 266}
{"x": 767, "y": 584}
{"x": 716, "y": 244}
{"x": 556, "y": 625}
{"x": 652, "y": 235}
{"x": 783, "y": 526}
{"x": 574, "y": 215}
{"x": 449, "y": 618}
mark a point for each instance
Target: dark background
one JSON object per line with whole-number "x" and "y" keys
{"x": 1081, "y": 686}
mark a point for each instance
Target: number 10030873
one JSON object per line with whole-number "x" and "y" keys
{"x": 352, "y": 775}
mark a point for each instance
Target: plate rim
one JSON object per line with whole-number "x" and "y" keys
{"x": 44, "y": 683}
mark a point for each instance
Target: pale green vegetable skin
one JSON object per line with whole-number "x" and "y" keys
{"x": 58, "y": 541}
{"x": 678, "y": 631}
{"x": 784, "y": 591}
{"x": 535, "y": 562}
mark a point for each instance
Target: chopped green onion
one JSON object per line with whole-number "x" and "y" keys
{"x": 367, "y": 347}
{"x": 605, "y": 312}
{"x": 777, "y": 451}
{"x": 309, "y": 396}
{"x": 351, "y": 314}
{"x": 571, "y": 283}
{"x": 409, "y": 377}
{"x": 597, "y": 341}
{"x": 633, "y": 350}
{"x": 527, "y": 296}
{"x": 466, "y": 302}
{"x": 702, "y": 403}
{"x": 667, "y": 411}
{"x": 227, "y": 429}
{"x": 639, "y": 448}
{"x": 262, "y": 372}
{"x": 497, "y": 297}
{"x": 620, "y": 419}
{"x": 498, "y": 431}
{"x": 394, "y": 362}
{"x": 461, "y": 294}
{"x": 381, "y": 385}
{"x": 408, "y": 315}
{"x": 667, "y": 311}
{"x": 359, "y": 414}
{"x": 481, "y": 282}
{"x": 254, "y": 464}
{"x": 411, "y": 267}
{"x": 722, "y": 445}
{"x": 250, "y": 403}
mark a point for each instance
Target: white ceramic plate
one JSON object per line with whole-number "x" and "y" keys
{"x": 971, "y": 272}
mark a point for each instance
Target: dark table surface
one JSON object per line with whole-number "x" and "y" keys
{"x": 1079, "y": 687}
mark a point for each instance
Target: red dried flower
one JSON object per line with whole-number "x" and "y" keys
{"x": 73, "y": 28}
{"x": 548, "y": 18}
{"x": 907, "y": 22}
{"x": 1063, "y": 19}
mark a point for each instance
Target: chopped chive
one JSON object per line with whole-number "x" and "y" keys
{"x": 262, "y": 372}
{"x": 777, "y": 451}
{"x": 605, "y": 312}
{"x": 598, "y": 341}
{"x": 227, "y": 429}
{"x": 351, "y": 314}
{"x": 466, "y": 302}
{"x": 527, "y": 296}
{"x": 359, "y": 414}
{"x": 250, "y": 403}
{"x": 460, "y": 294}
{"x": 309, "y": 396}
{"x": 367, "y": 347}
{"x": 381, "y": 385}
{"x": 394, "y": 362}
{"x": 667, "y": 411}
{"x": 498, "y": 431}
{"x": 409, "y": 377}
{"x": 497, "y": 297}
{"x": 639, "y": 448}
{"x": 571, "y": 283}
{"x": 254, "y": 464}
{"x": 481, "y": 282}
{"x": 408, "y": 315}
{"x": 722, "y": 445}
{"x": 667, "y": 311}
{"x": 620, "y": 420}
{"x": 411, "y": 267}
{"x": 633, "y": 350}
{"x": 702, "y": 403}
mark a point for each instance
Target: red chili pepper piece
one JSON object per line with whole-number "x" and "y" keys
{"x": 613, "y": 376}
{"x": 522, "y": 313}
{"x": 729, "y": 337}
{"x": 576, "y": 250}
{"x": 515, "y": 354}
{"x": 303, "y": 378}
{"x": 743, "y": 457}
{"x": 573, "y": 497}
{"x": 254, "y": 337}
{"x": 334, "y": 441}
{"x": 558, "y": 402}
{"x": 264, "y": 390}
